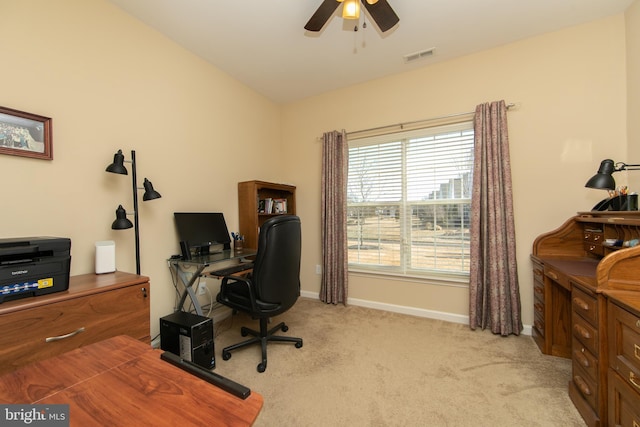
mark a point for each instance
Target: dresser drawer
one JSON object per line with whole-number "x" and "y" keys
{"x": 52, "y": 329}
{"x": 584, "y": 304}
{"x": 585, "y": 359}
{"x": 592, "y": 248}
{"x": 585, "y": 385}
{"x": 557, "y": 276}
{"x": 593, "y": 235}
{"x": 624, "y": 348}
{"x": 538, "y": 290}
{"x": 585, "y": 333}
{"x": 538, "y": 273}
{"x": 624, "y": 402}
{"x": 538, "y": 324}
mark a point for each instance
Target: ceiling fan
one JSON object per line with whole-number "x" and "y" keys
{"x": 380, "y": 12}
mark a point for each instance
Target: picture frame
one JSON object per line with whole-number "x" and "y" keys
{"x": 25, "y": 134}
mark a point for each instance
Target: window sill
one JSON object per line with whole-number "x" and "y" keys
{"x": 454, "y": 280}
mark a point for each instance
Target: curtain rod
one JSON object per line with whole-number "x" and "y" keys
{"x": 405, "y": 124}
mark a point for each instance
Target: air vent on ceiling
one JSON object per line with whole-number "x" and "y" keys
{"x": 419, "y": 55}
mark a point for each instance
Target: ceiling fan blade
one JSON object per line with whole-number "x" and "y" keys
{"x": 382, "y": 14}
{"x": 322, "y": 15}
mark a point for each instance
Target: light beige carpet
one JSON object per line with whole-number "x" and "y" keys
{"x": 365, "y": 367}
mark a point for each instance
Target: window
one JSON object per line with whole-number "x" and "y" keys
{"x": 408, "y": 202}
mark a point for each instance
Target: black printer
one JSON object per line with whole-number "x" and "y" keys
{"x": 33, "y": 266}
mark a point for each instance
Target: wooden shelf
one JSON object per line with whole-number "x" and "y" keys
{"x": 249, "y": 195}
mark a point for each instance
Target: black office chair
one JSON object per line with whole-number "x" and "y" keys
{"x": 273, "y": 286}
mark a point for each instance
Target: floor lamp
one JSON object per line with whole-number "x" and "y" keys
{"x": 121, "y": 221}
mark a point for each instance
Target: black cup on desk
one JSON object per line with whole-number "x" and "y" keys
{"x": 627, "y": 202}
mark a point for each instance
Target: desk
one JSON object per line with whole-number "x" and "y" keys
{"x": 185, "y": 273}
{"x": 576, "y": 268}
{"x": 122, "y": 381}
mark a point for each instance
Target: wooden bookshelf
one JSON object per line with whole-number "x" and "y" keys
{"x": 250, "y": 193}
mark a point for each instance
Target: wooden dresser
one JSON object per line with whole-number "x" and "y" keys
{"x": 94, "y": 308}
{"x": 575, "y": 268}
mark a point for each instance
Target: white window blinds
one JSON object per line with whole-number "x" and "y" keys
{"x": 409, "y": 199}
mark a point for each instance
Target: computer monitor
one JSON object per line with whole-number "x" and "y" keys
{"x": 201, "y": 230}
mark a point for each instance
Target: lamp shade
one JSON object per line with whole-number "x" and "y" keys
{"x": 121, "y": 222}
{"x": 118, "y": 164}
{"x": 149, "y": 192}
{"x": 603, "y": 179}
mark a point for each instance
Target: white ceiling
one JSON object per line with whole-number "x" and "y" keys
{"x": 263, "y": 44}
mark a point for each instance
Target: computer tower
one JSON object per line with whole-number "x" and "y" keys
{"x": 189, "y": 336}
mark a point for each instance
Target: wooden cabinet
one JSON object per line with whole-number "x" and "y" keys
{"x": 582, "y": 262}
{"x": 624, "y": 359}
{"x": 250, "y": 195}
{"x": 95, "y": 307}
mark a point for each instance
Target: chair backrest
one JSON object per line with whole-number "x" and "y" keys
{"x": 276, "y": 270}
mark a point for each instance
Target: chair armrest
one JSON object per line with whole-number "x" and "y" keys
{"x": 229, "y": 280}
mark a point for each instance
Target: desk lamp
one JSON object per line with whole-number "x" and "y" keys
{"x": 121, "y": 221}
{"x": 603, "y": 180}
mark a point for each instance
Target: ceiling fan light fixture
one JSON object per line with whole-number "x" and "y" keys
{"x": 351, "y": 9}
{"x": 370, "y": 1}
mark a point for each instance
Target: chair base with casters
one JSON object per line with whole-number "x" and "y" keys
{"x": 262, "y": 337}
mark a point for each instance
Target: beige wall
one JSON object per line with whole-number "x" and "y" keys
{"x": 570, "y": 90}
{"x": 110, "y": 82}
{"x": 633, "y": 88}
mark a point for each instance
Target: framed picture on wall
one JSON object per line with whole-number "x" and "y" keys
{"x": 25, "y": 134}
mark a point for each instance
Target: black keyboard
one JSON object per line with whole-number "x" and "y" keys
{"x": 228, "y": 271}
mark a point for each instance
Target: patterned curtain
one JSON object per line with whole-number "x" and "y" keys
{"x": 494, "y": 295}
{"x": 335, "y": 160}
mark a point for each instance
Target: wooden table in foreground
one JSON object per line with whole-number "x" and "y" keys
{"x": 122, "y": 381}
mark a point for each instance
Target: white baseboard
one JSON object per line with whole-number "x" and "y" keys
{"x": 413, "y": 311}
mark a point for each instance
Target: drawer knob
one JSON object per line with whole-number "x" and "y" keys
{"x": 581, "y": 358}
{"x": 580, "y": 303}
{"x": 65, "y": 336}
{"x": 144, "y": 292}
{"x": 636, "y": 351}
{"x": 553, "y": 275}
{"x": 582, "y": 331}
{"x": 582, "y": 385}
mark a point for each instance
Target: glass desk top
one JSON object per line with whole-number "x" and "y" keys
{"x": 206, "y": 260}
